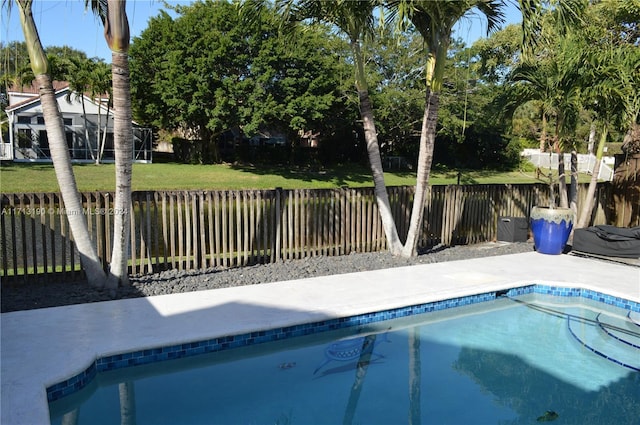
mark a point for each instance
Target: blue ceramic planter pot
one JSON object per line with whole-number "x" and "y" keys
{"x": 551, "y": 228}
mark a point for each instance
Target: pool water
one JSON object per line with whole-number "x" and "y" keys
{"x": 509, "y": 361}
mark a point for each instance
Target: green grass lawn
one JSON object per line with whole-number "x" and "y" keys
{"x": 17, "y": 178}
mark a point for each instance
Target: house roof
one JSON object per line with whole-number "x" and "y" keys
{"x": 36, "y": 99}
{"x": 63, "y": 87}
{"x": 58, "y": 86}
{"x": 31, "y": 100}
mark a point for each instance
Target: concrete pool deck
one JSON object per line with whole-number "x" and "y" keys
{"x": 43, "y": 347}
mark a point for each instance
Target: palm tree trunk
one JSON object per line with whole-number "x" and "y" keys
{"x": 573, "y": 191}
{"x": 373, "y": 151}
{"x": 415, "y": 377}
{"x": 59, "y": 151}
{"x": 126, "y": 392}
{"x": 592, "y": 138}
{"x": 71, "y": 417}
{"x": 543, "y": 133}
{"x": 434, "y": 77}
{"x": 587, "y": 207}
{"x": 380, "y": 189}
{"x": 425, "y": 158}
{"x": 123, "y": 145}
{"x": 67, "y": 182}
{"x": 562, "y": 182}
{"x": 368, "y": 343}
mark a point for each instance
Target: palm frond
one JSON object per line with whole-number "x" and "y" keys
{"x": 99, "y": 8}
{"x": 493, "y": 10}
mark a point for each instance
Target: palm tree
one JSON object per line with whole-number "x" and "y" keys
{"x": 552, "y": 83}
{"x": 356, "y": 20}
{"x": 435, "y": 21}
{"x": 58, "y": 146}
{"x": 116, "y": 31}
{"x": 78, "y": 76}
{"x": 550, "y": 43}
{"x": 99, "y": 85}
{"x": 611, "y": 88}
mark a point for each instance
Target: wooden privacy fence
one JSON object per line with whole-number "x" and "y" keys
{"x": 200, "y": 229}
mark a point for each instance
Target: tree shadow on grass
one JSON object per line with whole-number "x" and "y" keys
{"x": 339, "y": 176}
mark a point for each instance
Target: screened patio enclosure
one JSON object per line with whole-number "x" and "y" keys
{"x": 88, "y": 126}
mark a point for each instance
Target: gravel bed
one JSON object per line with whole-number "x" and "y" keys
{"x": 17, "y": 296}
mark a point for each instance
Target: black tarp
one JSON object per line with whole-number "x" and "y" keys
{"x": 608, "y": 240}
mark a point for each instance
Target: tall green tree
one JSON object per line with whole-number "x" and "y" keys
{"x": 208, "y": 71}
{"x": 494, "y": 57}
{"x": 58, "y": 146}
{"x": 190, "y": 74}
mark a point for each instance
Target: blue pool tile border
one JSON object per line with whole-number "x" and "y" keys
{"x": 178, "y": 351}
{"x": 561, "y": 291}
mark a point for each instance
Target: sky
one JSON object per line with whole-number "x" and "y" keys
{"x": 67, "y": 23}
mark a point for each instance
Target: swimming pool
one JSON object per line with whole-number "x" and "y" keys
{"x": 509, "y": 360}
{"x": 41, "y": 348}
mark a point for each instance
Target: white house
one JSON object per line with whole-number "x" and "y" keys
{"x": 84, "y": 127}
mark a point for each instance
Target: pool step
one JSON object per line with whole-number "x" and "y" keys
{"x": 615, "y": 339}
{"x": 621, "y": 330}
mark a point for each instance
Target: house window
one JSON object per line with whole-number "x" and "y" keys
{"x": 68, "y": 121}
{"x": 69, "y": 137}
{"x": 43, "y": 141}
{"x": 40, "y": 120}
{"x": 24, "y": 120}
{"x": 108, "y": 147}
{"x": 24, "y": 138}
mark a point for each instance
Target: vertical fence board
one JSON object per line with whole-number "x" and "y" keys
{"x": 188, "y": 228}
{"x": 266, "y": 202}
{"x": 3, "y": 238}
{"x": 52, "y": 230}
{"x": 148, "y": 235}
{"x": 275, "y": 256}
{"x": 14, "y": 252}
{"x": 156, "y": 227}
{"x": 218, "y": 229}
{"x": 43, "y": 232}
{"x": 298, "y": 222}
{"x": 249, "y": 219}
{"x": 239, "y": 230}
{"x": 226, "y": 237}
{"x": 133, "y": 236}
{"x": 195, "y": 233}
{"x": 210, "y": 228}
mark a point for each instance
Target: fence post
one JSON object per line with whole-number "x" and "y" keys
{"x": 278, "y": 223}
